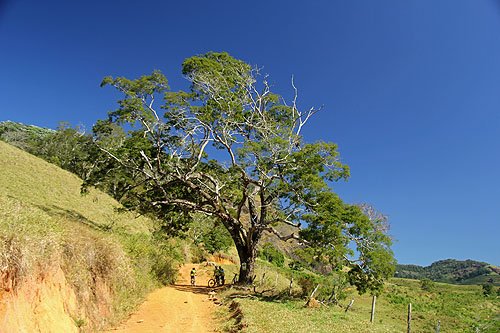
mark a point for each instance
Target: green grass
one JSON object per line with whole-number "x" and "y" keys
{"x": 292, "y": 316}
{"x": 459, "y": 308}
{"x": 40, "y": 184}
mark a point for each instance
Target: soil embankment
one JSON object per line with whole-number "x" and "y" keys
{"x": 43, "y": 304}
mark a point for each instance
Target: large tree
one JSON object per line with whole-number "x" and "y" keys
{"x": 232, "y": 149}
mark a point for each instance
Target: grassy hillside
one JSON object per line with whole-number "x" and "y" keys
{"x": 53, "y": 190}
{"x": 110, "y": 259}
{"x": 453, "y": 271}
{"x": 459, "y": 308}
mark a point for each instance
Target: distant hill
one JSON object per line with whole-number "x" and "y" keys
{"x": 21, "y": 135}
{"x": 452, "y": 271}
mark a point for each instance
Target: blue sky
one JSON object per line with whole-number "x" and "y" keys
{"x": 410, "y": 90}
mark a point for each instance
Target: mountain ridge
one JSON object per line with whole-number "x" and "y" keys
{"x": 452, "y": 271}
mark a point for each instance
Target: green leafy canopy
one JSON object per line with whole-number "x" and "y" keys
{"x": 232, "y": 149}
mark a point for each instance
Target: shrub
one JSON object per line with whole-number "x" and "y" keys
{"x": 487, "y": 289}
{"x": 427, "y": 284}
{"x": 217, "y": 239}
{"x": 336, "y": 287}
{"x": 296, "y": 265}
{"x": 307, "y": 284}
{"x": 272, "y": 254}
{"x": 165, "y": 257}
{"x": 154, "y": 255}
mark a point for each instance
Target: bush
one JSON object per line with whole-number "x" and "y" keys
{"x": 165, "y": 258}
{"x": 155, "y": 255}
{"x": 217, "y": 239}
{"x": 296, "y": 265}
{"x": 272, "y": 254}
{"x": 427, "y": 284}
{"x": 337, "y": 287}
{"x": 307, "y": 285}
{"x": 165, "y": 271}
{"x": 487, "y": 289}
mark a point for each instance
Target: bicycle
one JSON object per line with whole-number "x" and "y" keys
{"x": 193, "y": 280}
{"x": 216, "y": 282}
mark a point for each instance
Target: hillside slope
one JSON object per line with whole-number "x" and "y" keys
{"x": 452, "y": 271}
{"x": 69, "y": 262}
{"x": 46, "y": 186}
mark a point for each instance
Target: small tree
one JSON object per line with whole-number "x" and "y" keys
{"x": 231, "y": 149}
{"x": 272, "y": 254}
{"x": 427, "y": 284}
{"x": 338, "y": 288}
{"x": 487, "y": 289}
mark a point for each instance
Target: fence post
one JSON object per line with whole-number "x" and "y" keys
{"x": 349, "y": 306}
{"x": 409, "y": 318}
{"x": 314, "y": 292}
{"x": 372, "y": 316}
{"x": 312, "y": 296}
{"x": 438, "y": 326}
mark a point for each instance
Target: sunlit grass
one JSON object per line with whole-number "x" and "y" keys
{"x": 458, "y": 308}
{"x": 46, "y": 186}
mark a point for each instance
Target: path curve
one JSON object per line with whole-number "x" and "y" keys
{"x": 177, "y": 308}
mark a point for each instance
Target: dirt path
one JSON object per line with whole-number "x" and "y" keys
{"x": 178, "y": 308}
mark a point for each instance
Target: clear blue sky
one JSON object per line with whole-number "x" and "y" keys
{"x": 411, "y": 90}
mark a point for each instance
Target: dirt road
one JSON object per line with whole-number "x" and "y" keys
{"x": 178, "y": 308}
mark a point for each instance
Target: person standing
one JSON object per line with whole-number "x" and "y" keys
{"x": 193, "y": 276}
{"x": 221, "y": 276}
{"x": 216, "y": 275}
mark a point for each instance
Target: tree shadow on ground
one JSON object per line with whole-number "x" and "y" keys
{"x": 266, "y": 296}
{"x": 73, "y": 215}
{"x": 198, "y": 289}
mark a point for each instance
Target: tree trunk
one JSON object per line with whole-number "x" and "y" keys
{"x": 247, "y": 256}
{"x": 246, "y": 245}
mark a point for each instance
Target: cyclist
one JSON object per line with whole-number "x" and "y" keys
{"x": 221, "y": 275}
{"x": 193, "y": 276}
{"x": 216, "y": 275}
